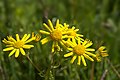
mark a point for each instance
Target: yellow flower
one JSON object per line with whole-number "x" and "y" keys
{"x": 17, "y": 46}
{"x": 73, "y": 32}
{"x": 56, "y": 34}
{"x": 80, "y": 50}
{"x": 37, "y": 37}
{"x": 101, "y": 52}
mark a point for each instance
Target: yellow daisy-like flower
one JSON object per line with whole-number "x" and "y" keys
{"x": 56, "y": 34}
{"x": 80, "y": 50}
{"x": 73, "y": 32}
{"x": 17, "y": 46}
{"x": 101, "y": 52}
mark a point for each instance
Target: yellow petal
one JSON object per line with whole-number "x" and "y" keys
{"x": 84, "y": 43}
{"x": 70, "y": 49}
{"x": 28, "y": 46}
{"x": 12, "y": 52}
{"x": 91, "y": 54}
{"x": 63, "y": 44}
{"x": 70, "y": 43}
{"x": 101, "y": 48}
{"x": 25, "y": 35}
{"x": 76, "y": 30}
{"x": 30, "y": 40}
{"x": 68, "y": 54}
{"x": 57, "y": 23}
{"x": 44, "y": 32}
{"x": 9, "y": 45}
{"x": 51, "y": 25}
{"x": 45, "y": 40}
{"x": 88, "y": 44}
{"x": 12, "y": 39}
{"x": 86, "y": 56}
{"x": 67, "y": 32}
{"x": 79, "y": 35}
{"x": 79, "y": 60}
{"x": 105, "y": 51}
{"x": 53, "y": 45}
{"x": 17, "y": 37}
{"x": 74, "y": 41}
{"x": 4, "y": 41}
{"x": 8, "y": 49}
{"x": 22, "y": 51}
{"x": 17, "y": 53}
{"x": 73, "y": 59}
{"x": 73, "y": 27}
{"x": 46, "y": 26}
{"x": 56, "y": 46}
{"x": 66, "y": 26}
{"x": 83, "y": 60}
{"x": 65, "y": 36}
{"x": 89, "y": 49}
{"x": 104, "y": 54}
{"x": 9, "y": 42}
{"x": 79, "y": 42}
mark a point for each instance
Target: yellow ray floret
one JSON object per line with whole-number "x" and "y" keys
{"x": 18, "y": 45}
{"x": 80, "y": 50}
{"x": 56, "y": 34}
{"x": 101, "y": 52}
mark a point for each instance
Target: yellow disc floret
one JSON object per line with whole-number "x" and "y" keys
{"x": 19, "y": 44}
{"x": 56, "y": 35}
{"x": 73, "y": 33}
{"x": 79, "y": 49}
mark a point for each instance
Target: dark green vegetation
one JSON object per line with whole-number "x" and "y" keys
{"x": 98, "y": 20}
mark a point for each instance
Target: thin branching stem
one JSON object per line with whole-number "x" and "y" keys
{"x": 27, "y": 56}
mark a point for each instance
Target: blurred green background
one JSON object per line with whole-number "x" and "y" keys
{"x": 98, "y": 20}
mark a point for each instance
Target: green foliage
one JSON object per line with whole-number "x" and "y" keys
{"x": 98, "y": 20}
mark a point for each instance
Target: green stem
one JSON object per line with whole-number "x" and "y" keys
{"x": 32, "y": 63}
{"x": 49, "y": 72}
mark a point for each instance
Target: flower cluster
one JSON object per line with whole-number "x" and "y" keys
{"x": 60, "y": 35}
{"x": 78, "y": 47}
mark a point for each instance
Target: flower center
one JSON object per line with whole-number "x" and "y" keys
{"x": 19, "y": 44}
{"x": 56, "y": 35}
{"x": 72, "y": 33}
{"x": 79, "y": 49}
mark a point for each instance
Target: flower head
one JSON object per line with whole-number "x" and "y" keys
{"x": 17, "y": 46}
{"x": 80, "y": 50}
{"x": 56, "y": 34}
{"x": 73, "y": 32}
{"x": 101, "y": 52}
